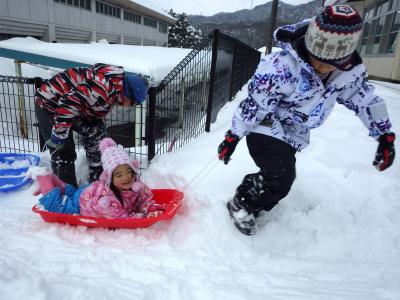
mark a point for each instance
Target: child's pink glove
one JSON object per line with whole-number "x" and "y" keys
{"x": 48, "y": 182}
{"x": 138, "y": 186}
{"x": 45, "y": 185}
{"x": 58, "y": 183}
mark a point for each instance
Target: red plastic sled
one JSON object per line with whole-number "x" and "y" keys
{"x": 172, "y": 198}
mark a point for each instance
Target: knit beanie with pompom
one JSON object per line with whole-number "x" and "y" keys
{"x": 113, "y": 155}
{"x": 333, "y": 35}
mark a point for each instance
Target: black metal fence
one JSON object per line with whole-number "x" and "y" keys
{"x": 179, "y": 109}
{"x": 178, "y": 105}
{"x": 234, "y": 63}
{"x": 18, "y": 132}
{"x": 187, "y": 101}
{"x": 18, "y": 124}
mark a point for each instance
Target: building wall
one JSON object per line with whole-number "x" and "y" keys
{"x": 380, "y": 67}
{"x": 18, "y": 16}
{"x": 379, "y": 45}
{"x": 133, "y": 33}
{"x": 69, "y": 24}
{"x": 63, "y": 21}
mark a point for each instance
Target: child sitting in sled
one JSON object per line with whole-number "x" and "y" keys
{"x": 118, "y": 193}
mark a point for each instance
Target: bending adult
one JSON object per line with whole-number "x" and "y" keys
{"x": 78, "y": 99}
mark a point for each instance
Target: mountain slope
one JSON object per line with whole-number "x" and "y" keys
{"x": 251, "y": 26}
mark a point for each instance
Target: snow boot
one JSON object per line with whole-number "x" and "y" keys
{"x": 65, "y": 171}
{"x": 244, "y": 220}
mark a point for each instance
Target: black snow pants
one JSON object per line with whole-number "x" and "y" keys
{"x": 277, "y": 162}
{"x": 63, "y": 160}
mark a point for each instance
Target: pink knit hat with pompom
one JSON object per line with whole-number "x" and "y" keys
{"x": 113, "y": 155}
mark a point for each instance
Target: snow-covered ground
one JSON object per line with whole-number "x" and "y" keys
{"x": 335, "y": 236}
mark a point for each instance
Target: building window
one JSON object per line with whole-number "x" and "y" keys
{"x": 150, "y": 22}
{"x": 162, "y": 27}
{"x": 385, "y": 34}
{"x": 364, "y": 38}
{"x": 382, "y": 8}
{"x": 108, "y": 10}
{"x": 385, "y": 7}
{"x": 382, "y": 24}
{"x": 132, "y": 17}
{"x": 377, "y": 35}
{"x": 369, "y": 13}
{"x": 85, "y": 4}
{"x": 394, "y": 30}
{"x": 371, "y": 36}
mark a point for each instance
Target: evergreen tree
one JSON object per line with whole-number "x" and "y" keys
{"x": 183, "y": 34}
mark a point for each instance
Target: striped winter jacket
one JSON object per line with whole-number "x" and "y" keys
{"x": 286, "y": 97}
{"x": 80, "y": 93}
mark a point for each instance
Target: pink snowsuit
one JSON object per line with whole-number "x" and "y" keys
{"x": 98, "y": 200}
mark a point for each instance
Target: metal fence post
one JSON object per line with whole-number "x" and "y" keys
{"x": 21, "y": 101}
{"x": 212, "y": 78}
{"x": 151, "y": 133}
{"x": 37, "y": 81}
{"x": 138, "y": 125}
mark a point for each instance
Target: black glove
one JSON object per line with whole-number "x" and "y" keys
{"x": 385, "y": 153}
{"x": 227, "y": 147}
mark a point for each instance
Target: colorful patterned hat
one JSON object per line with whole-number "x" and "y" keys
{"x": 332, "y": 36}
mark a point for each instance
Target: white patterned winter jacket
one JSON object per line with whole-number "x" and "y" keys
{"x": 286, "y": 97}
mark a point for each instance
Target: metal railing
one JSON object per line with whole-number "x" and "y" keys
{"x": 18, "y": 124}
{"x": 179, "y": 109}
{"x": 178, "y": 106}
{"x": 18, "y": 132}
{"x": 187, "y": 101}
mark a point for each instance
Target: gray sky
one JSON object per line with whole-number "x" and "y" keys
{"x": 211, "y": 7}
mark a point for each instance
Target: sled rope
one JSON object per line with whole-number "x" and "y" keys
{"x": 43, "y": 148}
{"x": 210, "y": 163}
{"x": 51, "y": 153}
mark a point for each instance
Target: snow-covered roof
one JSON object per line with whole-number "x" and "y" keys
{"x": 155, "y": 62}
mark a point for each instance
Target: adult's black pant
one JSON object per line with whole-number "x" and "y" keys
{"x": 63, "y": 160}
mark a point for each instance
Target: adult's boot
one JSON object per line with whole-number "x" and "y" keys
{"x": 65, "y": 170}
